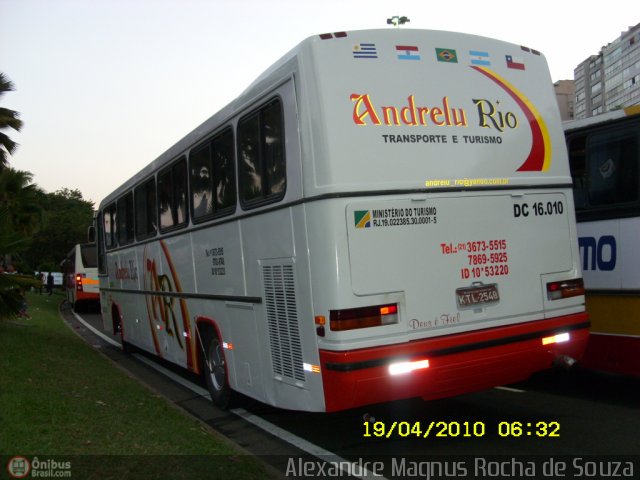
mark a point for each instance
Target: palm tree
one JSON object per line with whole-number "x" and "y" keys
{"x": 8, "y": 119}
{"x": 12, "y": 287}
{"x": 21, "y": 210}
{"x": 21, "y": 216}
{"x": 19, "y": 196}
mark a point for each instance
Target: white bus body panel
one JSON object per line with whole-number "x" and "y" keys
{"x": 370, "y": 154}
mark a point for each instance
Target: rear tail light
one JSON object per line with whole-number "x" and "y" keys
{"x": 320, "y": 321}
{"x": 79, "y": 278}
{"x": 363, "y": 317}
{"x": 565, "y": 289}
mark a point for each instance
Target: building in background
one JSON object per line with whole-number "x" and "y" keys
{"x": 565, "y": 95}
{"x": 611, "y": 79}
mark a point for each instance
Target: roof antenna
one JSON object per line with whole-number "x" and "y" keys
{"x": 397, "y": 21}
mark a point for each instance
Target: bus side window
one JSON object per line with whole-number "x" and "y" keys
{"x": 212, "y": 178}
{"x": 145, "y": 209}
{"x": 201, "y": 182}
{"x": 577, "y": 161}
{"x": 223, "y": 172}
{"x": 100, "y": 239}
{"x": 125, "y": 219}
{"x": 172, "y": 196}
{"x": 613, "y": 168}
{"x": 261, "y": 155}
{"x": 110, "y": 226}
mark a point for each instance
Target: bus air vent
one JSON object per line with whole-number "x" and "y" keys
{"x": 282, "y": 319}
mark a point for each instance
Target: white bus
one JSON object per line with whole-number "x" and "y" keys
{"x": 80, "y": 273}
{"x": 604, "y": 154}
{"x": 381, "y": 215}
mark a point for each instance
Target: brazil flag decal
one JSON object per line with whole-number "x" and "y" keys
{"x": 362, "y": 218}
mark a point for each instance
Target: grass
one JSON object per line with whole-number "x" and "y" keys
{"x": 59, "y": 397}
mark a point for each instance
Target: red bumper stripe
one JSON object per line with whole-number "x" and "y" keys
{"x": 458, "y": 363}
{"x": 347, "y": 367}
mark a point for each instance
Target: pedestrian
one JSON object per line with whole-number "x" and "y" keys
{"x": 22, "y": 313}
{"x": 50, "y": 283}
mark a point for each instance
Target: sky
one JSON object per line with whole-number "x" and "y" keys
{"x": 106, "y": 86}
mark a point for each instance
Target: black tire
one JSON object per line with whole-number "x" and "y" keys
{"x": 117, "y": 330}
{"x": 215, "y": 373}
{"x": 126, "y": 346}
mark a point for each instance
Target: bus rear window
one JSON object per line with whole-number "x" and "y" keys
{"x": 89, "y": 257}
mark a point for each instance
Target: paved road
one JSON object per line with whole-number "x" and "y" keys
{"x": 554, "y": 414}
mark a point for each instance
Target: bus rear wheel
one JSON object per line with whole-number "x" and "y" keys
{"x": 215, "y": 373}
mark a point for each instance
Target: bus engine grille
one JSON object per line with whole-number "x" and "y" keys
{"x": 282, "y": 319}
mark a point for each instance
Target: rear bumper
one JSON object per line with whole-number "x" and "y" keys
{"x": 81, "y": 296}
{"x": 458, "y": 363}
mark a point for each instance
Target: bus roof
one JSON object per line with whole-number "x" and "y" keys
{"x": 346, "y": 74}
{"x": 570, "y": 125}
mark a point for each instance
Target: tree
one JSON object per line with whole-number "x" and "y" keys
{"x": 8, "y": 119}
{"x": 12, "y": 287}
{"x": 67, "y": 217}
{"x": 21, "y": 197}
{"x": 22, "y": 214}
{"x": 37, "y": 229}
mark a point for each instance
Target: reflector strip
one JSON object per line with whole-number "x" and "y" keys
{"x": 561, "y": 337}
{"x": 329, "y": 36}
{"x": 407, "y": 367}
{"x": 311, "y": 368}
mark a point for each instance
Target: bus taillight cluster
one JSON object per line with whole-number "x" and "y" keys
{"x": 79, "y": 278}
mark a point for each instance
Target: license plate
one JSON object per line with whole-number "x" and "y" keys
{"x": 477, "y": 295}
